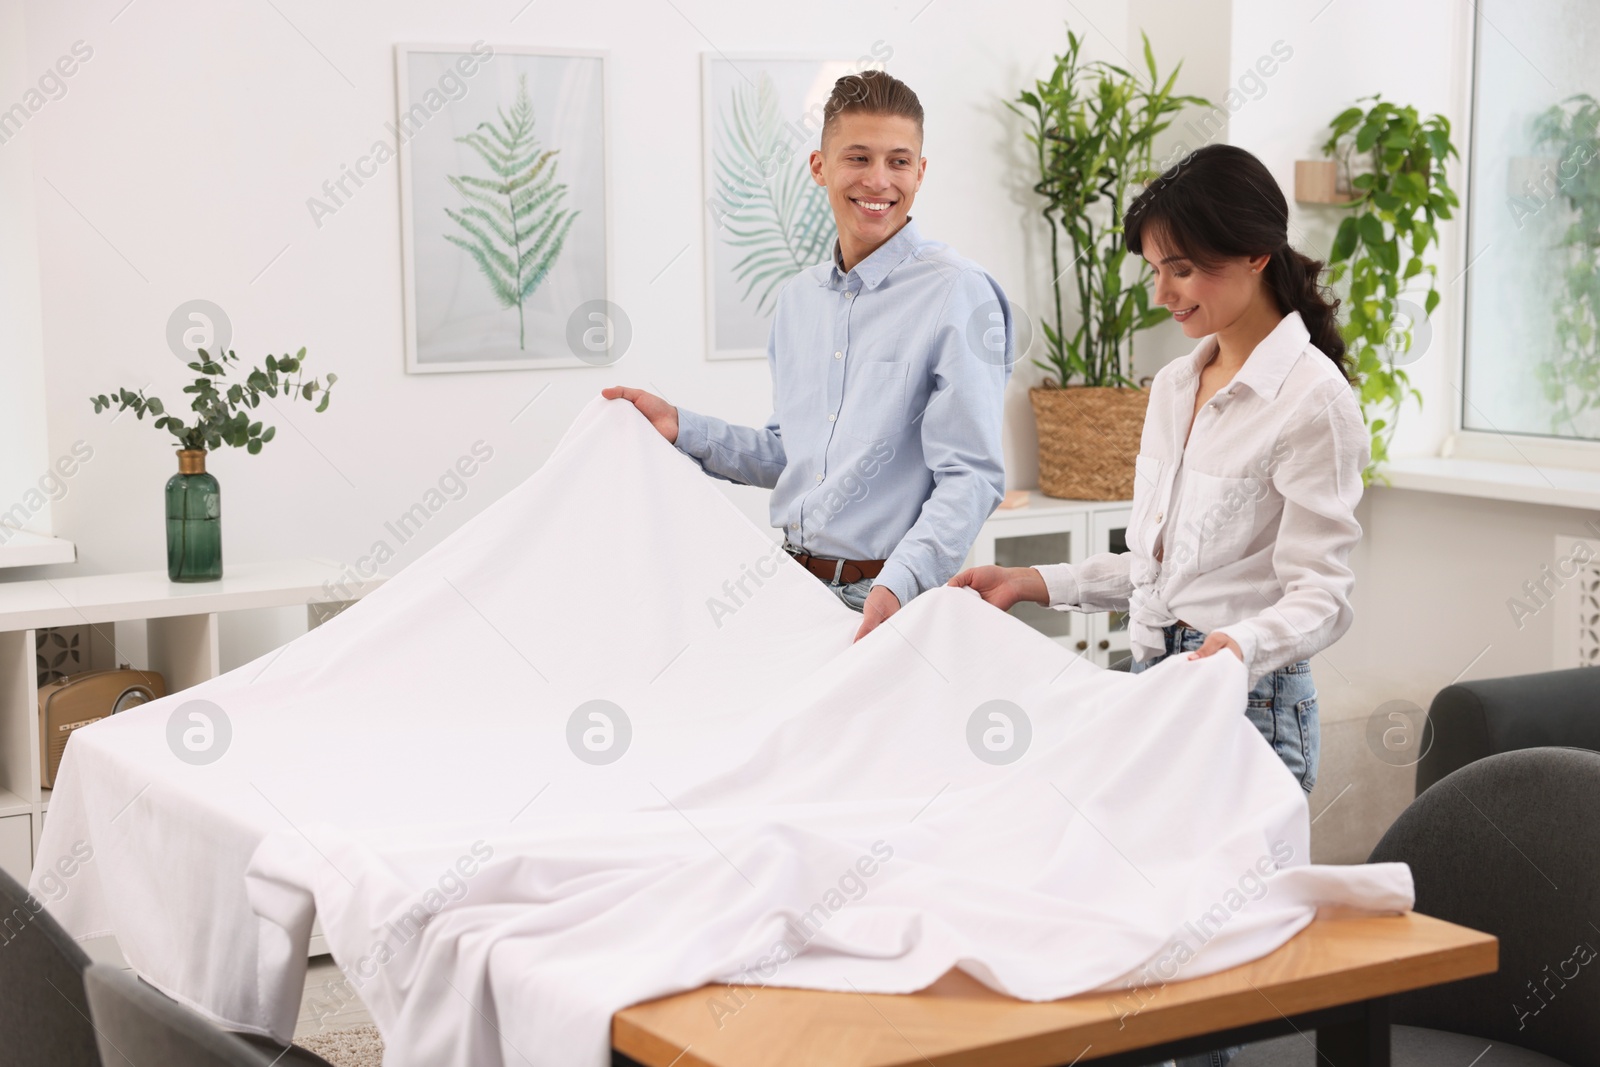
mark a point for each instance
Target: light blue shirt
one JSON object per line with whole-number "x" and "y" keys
{"x": 887, "y": 388}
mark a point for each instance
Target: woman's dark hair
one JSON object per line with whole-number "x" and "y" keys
{"x": 1219, "y": 201}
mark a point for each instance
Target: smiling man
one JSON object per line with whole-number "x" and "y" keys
{"x": 889, "y": 366}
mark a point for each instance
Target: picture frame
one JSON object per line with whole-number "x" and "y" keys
{"x": 504, "y": 271}
{"x": 765, "y": 219}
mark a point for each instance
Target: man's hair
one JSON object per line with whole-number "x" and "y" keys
{"x": 871, "y": 92}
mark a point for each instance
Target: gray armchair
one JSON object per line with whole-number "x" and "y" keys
{"x": 1472, "y": 720}
{"x": 1509, "y": 844}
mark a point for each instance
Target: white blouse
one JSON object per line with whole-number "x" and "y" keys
{"x": 1246, "y": 529}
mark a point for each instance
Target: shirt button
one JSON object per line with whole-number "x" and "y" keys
{"x": 832, "y": 417}
{"x": 838, "y": 355}
{"x": 1159, "y": 516}
{"x": 794, "y": 526}
{"x": 819, "y": 477}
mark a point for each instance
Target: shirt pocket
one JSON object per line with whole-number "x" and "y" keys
{"x": 1219, "y": 517}
{"x": 884, "y": 385}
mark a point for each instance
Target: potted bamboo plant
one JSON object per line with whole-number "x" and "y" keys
{"x": 1093, "y": 126}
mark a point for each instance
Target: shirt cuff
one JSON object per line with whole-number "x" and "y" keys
{"x": 691, "y": 434}
{"x": 1061, "y": 584}
{"x": 899, "y": 580}
{"x": 1249, "y": 643}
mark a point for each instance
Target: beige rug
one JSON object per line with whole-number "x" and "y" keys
{"x": 359, "y": 1046}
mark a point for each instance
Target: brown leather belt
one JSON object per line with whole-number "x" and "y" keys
{"x": 836, "y": 571}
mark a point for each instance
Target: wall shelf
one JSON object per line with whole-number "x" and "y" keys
{"x": 24, "y": 548}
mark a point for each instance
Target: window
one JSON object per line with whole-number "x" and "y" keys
{"x": 1532, "y": 362}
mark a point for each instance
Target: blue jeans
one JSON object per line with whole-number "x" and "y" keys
{"x": 1283, "y": 706}
{"x": 854, "y": 594}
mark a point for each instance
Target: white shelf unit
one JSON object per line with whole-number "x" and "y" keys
{"x": 180, "y": 641}
{"x": 1049, "y": 530}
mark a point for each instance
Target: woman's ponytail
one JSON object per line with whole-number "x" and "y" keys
{"x": 1293, "y": 278}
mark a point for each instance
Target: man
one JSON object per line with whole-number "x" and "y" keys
{"x": 889, "y": 368}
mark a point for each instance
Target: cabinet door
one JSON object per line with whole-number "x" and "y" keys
{"x": 16, "y": 846}
{"x": 1030, "y": 542}
{"x": 1108, "y": 631}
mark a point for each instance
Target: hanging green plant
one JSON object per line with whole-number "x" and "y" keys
{"x": 1383, "y": 246}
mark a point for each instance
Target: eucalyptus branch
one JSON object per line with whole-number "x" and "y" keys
{"x": 221, "y": 415}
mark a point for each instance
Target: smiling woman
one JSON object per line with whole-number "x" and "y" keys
{"x": 1249, "y": 465}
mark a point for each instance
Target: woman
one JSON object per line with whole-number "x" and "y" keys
{"x": 1249, "y": 467}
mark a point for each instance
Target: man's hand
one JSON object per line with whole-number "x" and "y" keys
{"x": 881, "y": 603}
{"x": 1216, "y": 642}
{"x": 1004, "y": 586}
{"x": 662, "y": 415}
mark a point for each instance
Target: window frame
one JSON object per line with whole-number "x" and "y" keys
{"x": 1500, "y": 446}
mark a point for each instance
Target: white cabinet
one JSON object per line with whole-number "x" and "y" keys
{"x": 1047, "y": 530}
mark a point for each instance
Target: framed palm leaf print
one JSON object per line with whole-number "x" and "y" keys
{"x": 765, "y": 218}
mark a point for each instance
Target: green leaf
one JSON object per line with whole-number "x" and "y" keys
{"x": 1371, "y": 230}
{"x": 1344, "y": 241}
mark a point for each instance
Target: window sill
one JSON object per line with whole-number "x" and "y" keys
{"x": 26, "y": 549}
{"x": 1523, "y": 483}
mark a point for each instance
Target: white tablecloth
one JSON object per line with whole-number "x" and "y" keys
{"x": 790, "y": 808}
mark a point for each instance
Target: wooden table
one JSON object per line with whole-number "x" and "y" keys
{"x": 1335, "y": 976}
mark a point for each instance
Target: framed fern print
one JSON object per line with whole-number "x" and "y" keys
{"x": 504, "y": 205}
{"x": 766, "y": 219}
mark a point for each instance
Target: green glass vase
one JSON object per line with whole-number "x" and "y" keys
{"x": 194, "y": 521}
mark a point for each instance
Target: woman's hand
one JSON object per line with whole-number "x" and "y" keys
{"x": 1004, "y": 586}
{"x": 1215, "y": 642}
{"x": 662, "y": 415}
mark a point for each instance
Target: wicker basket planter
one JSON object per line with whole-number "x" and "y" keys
{"x": 1088, "y": 436}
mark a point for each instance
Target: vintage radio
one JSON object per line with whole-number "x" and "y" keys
{"x": 70, "y": 703}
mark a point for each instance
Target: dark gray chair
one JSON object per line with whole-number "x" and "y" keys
{"x": 1471, "y": 720}
{"x": 139, "y": 1027}
{"x": 44, "y": 1013}
{"x": 1510, "y": 845}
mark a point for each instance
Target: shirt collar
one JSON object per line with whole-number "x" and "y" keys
{"x": 1267, "y": 367}
{"x": 884, "y": 259}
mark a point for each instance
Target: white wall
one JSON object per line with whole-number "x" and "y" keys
{"x": 23, "y": 455}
